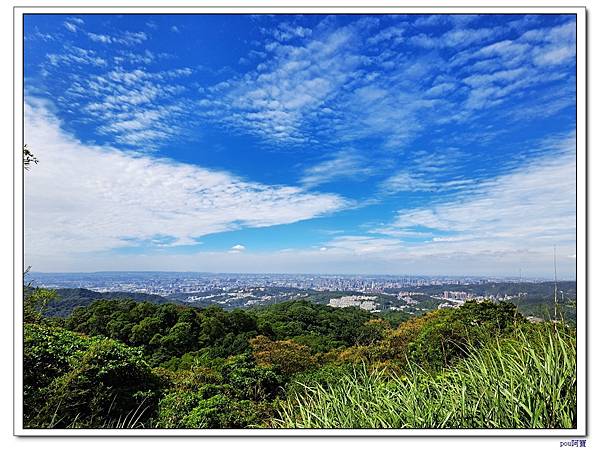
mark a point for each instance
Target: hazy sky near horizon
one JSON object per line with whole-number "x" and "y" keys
{"x": 406, "y": 144}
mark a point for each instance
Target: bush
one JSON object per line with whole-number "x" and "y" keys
{"x": 210, "y": 407}
{"x": 287, "y": 357}
{"x": 174, "y": 408}
{"x": 47, "y": 353}
{"x": 231, "y": 393}
{"x": 246, "y": 380}
{"x": 446, "y": 336}
{"x": 77, "y": 381}
{"x": 220, "y": 411}
{"x": 324, "y": 376}
{"x": 35, "y": 303}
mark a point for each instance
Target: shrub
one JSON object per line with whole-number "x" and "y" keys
{"x": 174, "y": 408}
{"x": 210, "y": 408}
{"x": 35, "y": 303}
{"x": 47, "y": 352}
{"x": 287, "y": 357}
{"x": 84, "y": 382}
{"x": 246, "y": 380}
{"x": 446, "y": 336}
{"x": 327, "y": 375}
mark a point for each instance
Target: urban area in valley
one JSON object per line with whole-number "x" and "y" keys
{"x": 374, "y": 293}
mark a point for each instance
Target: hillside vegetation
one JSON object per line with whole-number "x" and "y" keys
{"x": 121, "y": 363}
{"x": 70, "y": 298}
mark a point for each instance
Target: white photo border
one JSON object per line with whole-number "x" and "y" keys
{"x": 223, "y": 8}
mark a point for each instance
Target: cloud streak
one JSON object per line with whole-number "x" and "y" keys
{"x": 128, "y": 38}
{"x": 422, "y": 126}
{"x": 92, "y": 199}
{"x": 515, "y": 219}
{"x": 531, "y": 207}
{"x": 345, "y": 164}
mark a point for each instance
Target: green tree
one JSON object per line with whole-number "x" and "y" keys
{"x": 448, "y": 335}
{"x": 143, "y": 332}
{"x": 35, "y": 303}
{"x": 77, "y": 381}
{"x": 180, "y": 339}
{"x": 287, "y": 357}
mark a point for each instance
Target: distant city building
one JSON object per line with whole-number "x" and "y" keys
{"x": 454, "y": 295}
{"x": 368, "y": 306}
{"x": 448, "y": 305}
{"x": 360, "y": 301}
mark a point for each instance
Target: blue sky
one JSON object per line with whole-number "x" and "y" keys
{"x": 409, "y": 144}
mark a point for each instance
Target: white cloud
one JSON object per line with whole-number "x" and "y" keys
{"x": 103, "y": 38}
{"x": 565, "y": 33}
{"x": 404, "y": 181}
{"x": 497, "y": 226}
{"x": 424, "y": 40}
{"x": 395, "y": 34}
{"x": 70, "y": 26}
{"x": 128, "y": 38}
{"x": 276, "y": 99}
{"x": 383, "y": 111}
{"x": 554, "y": 56}
{"x": 136, "y": 107}
{"x": 82, "y": 199}
{"x": 509, "y": 67}
{"x": 332, "y": 260}
{"x": 341, "y": 84}
{"x": 433, "y": 171}
{"x": 131, "y": 58}
{"x": 343, "y": 164}
{"x": 456, "y": 37}
{"x": 75, "y": 55}
{"x": 502, "y": 76}
{"x": 462, "y": 37}
{"x": 530, "y": 209}
{"x": 511, "y": 222}
{"x": 73, "y": 24}
{"x": 286, "y": 31}
{"x": 367, "y": 245}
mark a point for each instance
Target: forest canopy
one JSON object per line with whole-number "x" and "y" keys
{"x": 122, "y": 363}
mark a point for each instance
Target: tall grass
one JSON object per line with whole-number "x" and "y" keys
{"x": 133, "y": 419}
{"x": 526, "y": 381}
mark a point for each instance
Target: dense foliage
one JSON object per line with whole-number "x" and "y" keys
{"x": 165, "y": 332}
{"x": 70, "y": 298}
{"x": 70, "y": 379}
{"x": 122, "y": 363}
{"x": 526, "y": 381}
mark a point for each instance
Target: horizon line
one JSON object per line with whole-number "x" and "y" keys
{"x": 511, "y": 277}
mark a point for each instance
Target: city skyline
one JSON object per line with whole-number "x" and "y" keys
{"x": 423, "y": 144}
{"x": 211, "y": 284}
{"x": 437, "y": 277}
